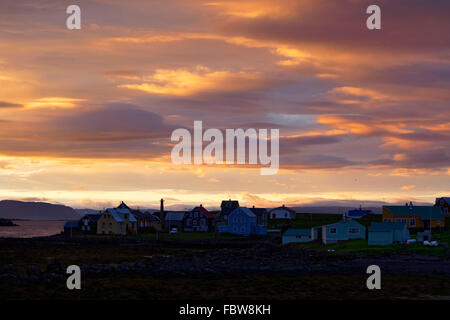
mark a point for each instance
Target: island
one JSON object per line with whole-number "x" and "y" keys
{"x": 7, "y": 223}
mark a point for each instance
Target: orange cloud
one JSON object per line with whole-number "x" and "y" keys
{"x": 183, "y": 82}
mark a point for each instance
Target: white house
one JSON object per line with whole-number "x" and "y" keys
{"x": 282, "y": 212}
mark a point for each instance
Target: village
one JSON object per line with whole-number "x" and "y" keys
{"x": 398, "y": 224}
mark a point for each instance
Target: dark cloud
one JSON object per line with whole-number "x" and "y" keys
{"x": 5, "y": 104}
{"x": 406, "y": 25}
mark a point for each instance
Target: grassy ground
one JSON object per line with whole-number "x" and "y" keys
{"x": 187, "y": 236}
{"x": 336, "y": 287}
{"x": 306, "y": 220}
{"x": 361, "y": 246}
{"x": 22, "y": 257}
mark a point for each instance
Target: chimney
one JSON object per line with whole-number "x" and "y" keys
{"x": 201, "y": 205}
{"x": 253, "y": 207}
{"x": 161, "y": 208}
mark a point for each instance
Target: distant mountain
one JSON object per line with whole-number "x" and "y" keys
{"x": 332, "y": 209}
{"x": 83, "y": 212}
{"x": 12, "y": 209}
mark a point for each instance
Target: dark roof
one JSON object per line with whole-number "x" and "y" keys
{"x": 175, "y": 216}
{"x": 297, "y": 232}
{"x": 93, "y": 217}
{"x": 204, "y": 211}
{"x": 386, "y": 226}
{"x": 447, "y": 199}
{"x": 259, "y": 211}
{"x": 145, "y": 215}
{"x": 71, "y": 224}
{"x": 229, "y": 203}
{"x": 122, "y": 205}
{"x": 357, "y": 213}
{"x": 283, "y": 207}
{"x": 424, "y": 212}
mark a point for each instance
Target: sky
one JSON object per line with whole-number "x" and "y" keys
{"x": 86, "y": 115}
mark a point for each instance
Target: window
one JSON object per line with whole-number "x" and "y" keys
{"x": 242, "y": 229}
{"x": 387, "y": 220}
{"x": 412, "y": 222}
{"x": 285, "y": 214}
{"x": 110, "y": 225}
{"x": 353, "y": 230}
{"x": 103, "y": 225}
{"x": 235, "y": 219}
{"x": 242, "y": 219}
{"x": 333, "y": 230}
{"x": 235, "y": 229}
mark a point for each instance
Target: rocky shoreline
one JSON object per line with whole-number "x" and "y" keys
{"x": 228, "y": 258}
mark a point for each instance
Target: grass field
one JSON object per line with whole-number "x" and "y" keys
{"x": 307, "y": 220}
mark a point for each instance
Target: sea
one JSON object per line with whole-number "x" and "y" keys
{"x": 32, "y": 228}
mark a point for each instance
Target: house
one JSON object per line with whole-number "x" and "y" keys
{"x": 386, "y": 233}
{"x": 146, "y": 222}
{"x": 88, "y": 224}
{"x": 340, "y": 231}
{"x": 415, "y": 216}
{"x": 71, "y": 228}
{"x": 298, "y": 235}
{"x": 242, "y": 221}
{"x": 282, "y": 212}
{"x": 356, "y": 213}
{"x": 174, "y": 219}
{"x": 198, "y": 219}
{"x": 261, "y": 215}
{"x": 226, "y": 207}
{"x": 444, "y": 204}
{"x": 117, "y": 221}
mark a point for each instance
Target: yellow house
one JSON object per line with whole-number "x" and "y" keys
{"x": 415, "y": 216}
{"x": 117, "y": 221}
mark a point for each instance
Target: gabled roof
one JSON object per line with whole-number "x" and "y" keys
{"x": 71, "y": 224}
{"x": 259, "y": 211}
{"x": 229, "y": 203}
{"x": 119, "y": 214}
{"x": 152, "y": 216}
{"x": 243, "y": 210}
{"x": 387, "y": 226}
{"x": 174, "y": 216}
{"x": 424, "y": 212}
{"x": 447, "y": 199}
{"x": 357, "y": 213}
{"x": 204, "y": 211}
{"x": 144, "y": 215}
{"x": 122, "y": 205}
{"x": 297, "y": 232}
{"x": 344, "y": 222}
{"x": 283, "y": 207}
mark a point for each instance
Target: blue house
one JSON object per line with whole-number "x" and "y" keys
{"x": 297, "y": 235}
{"x": 341, "y": 231}
{"x": 386, "y": 233}
{"x": 242, "y": 221}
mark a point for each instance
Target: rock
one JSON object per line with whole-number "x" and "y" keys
{"x": 55, "y": 266}
{"x": 33, "y": 270}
